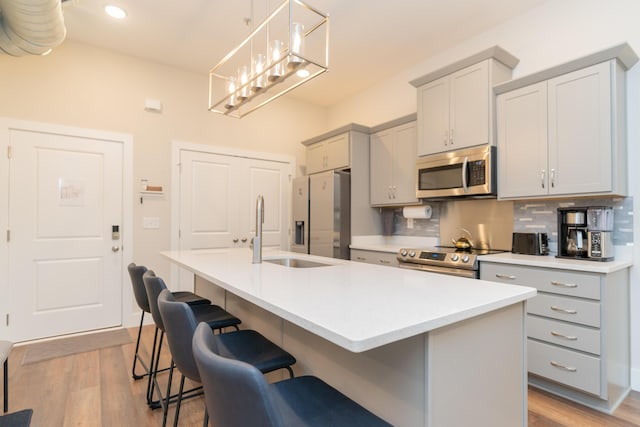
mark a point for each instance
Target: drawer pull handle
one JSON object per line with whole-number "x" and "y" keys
{"x": 505, "y": 276}
{"x": 566, "y": 337}
{"x": 566, "y": 368}
{"x": 564, "y": 285}
{"x": 384, "y": 261}
{"x": 563, "y": 310}
{"x": 359, "y": 258}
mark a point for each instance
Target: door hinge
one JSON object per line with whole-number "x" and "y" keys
{"x": 8, "y": 235}
{"x": 9, "y": 152}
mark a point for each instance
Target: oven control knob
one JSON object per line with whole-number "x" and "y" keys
{"x": 465, "y": 258}
{"x": 454, "y": 257}
{"x": 412, "y": 254}
{"x": 403, "y": 252}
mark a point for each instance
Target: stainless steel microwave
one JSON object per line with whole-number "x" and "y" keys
{"x": 468, "y": 172}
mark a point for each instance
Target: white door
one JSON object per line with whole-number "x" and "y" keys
{"x": 217, "y": 202}
{"x": 65, "y": 264}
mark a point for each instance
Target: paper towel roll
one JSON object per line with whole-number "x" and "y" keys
{"x": 418, "y": 212}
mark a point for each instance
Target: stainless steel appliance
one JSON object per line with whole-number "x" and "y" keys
{"x": 444, "y": 260}
{"x": 321, "y": 214}
{"x": 572, "y": 233}
{"x": 469, "y": 172}
{"x": 530, "y": 243}
{"x": 600, "y": 233}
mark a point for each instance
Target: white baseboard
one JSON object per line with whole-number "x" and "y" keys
{"x": 134, "y": 320}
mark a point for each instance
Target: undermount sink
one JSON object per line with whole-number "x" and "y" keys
{"x": 295, "y": 262}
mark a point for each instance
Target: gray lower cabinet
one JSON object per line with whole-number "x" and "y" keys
{"x": 577, "y": 331}
{"x": 374, "y": 257}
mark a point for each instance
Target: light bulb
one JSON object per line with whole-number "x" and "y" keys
{"x": 231, "y": 90}
{"x": 297, "y": 45}
{"x": 243, "y": 79}
{"x": 259, "y": 62}
{"x": 275, "y": 55}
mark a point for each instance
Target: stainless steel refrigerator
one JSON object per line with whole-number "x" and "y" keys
{"x": 321, "y": 214}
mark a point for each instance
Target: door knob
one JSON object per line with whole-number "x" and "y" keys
{"x": 235, "y": 240}
{"x": 115, "y": 248}
{"x": 244, "y": 240}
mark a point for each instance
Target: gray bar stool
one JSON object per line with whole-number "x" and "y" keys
{"x": 214, "y": 316}
{"x": 246, "y": 345}
{"x": 140, "y": 293}
{"x": 237, "y": 394}
{"x": 5, "y": 349}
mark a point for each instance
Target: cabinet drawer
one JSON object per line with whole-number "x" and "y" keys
{"x": 565, "y": 308}
{"x": 565, "y": 366}
{"x": 565, "y": 334}
{"x": 563, "y": 282}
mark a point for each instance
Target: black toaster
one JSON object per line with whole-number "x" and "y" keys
{"x": 530, "y": 243}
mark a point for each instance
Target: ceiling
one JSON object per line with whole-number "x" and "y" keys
{"x": 369, "y": 39}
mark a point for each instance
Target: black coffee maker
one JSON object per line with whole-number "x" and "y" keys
{"x": 572, "y": 233}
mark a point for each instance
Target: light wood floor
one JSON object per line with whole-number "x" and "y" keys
{"x": 96, "y": 389}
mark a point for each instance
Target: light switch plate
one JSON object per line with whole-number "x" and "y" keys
{"x": 151, "y": 222}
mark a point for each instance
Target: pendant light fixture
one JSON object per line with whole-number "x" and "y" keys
{"x": 289, "y": 48}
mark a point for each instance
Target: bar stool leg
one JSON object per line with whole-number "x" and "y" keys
{"x": 5, "y": 393}
{"x": 137, "y": 356}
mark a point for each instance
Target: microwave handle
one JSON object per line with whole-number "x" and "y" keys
{"x": 465, "y": 187}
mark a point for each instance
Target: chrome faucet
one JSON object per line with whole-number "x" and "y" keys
{"x": 256, "y": 242}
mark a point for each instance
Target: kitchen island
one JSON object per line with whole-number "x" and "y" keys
{"x": 416, "y": 348}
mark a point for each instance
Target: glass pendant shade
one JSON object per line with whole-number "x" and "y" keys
{"x": 289, "y": 48}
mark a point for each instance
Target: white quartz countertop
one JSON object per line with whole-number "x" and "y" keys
{"x": 355, "y": 305}
{"x": 550, "y": 261}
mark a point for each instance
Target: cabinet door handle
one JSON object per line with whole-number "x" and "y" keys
{"x": 563, "y": 310}
{"x": 559, "y": 366}
{"x": 235, "y": 240}
{"x": 553, "y": 178}
{"x": 563, "y": 285}
{"x": 393, "y": 191}
{"x": 451, "y": 137}
{"x": 566, "y": 337}
{"x": 445, "y": 140}
{"x": 505, "y": 276}
{"x": 542, "y": 174}
{"x": 244, "y": 240}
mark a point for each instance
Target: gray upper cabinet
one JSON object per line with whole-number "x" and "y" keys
{"x": 455, "y": 104}
{"x": 563, "y": 134}
{"x": 330, "y": 154}
{"x": 393, "y": 160}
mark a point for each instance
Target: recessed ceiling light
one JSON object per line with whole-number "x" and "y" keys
{"x": 115, "y": 11}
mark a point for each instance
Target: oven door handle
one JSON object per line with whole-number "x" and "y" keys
{"x": 471, "y": 274}
{"x": 465, "y": 163}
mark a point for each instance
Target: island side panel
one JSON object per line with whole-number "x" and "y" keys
{"x": 477, "y": 371}
{"x": 388, "y": 380}
{"x": 252, "y": 317}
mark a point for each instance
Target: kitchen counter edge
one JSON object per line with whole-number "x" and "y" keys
{"x": 550, "y": 261}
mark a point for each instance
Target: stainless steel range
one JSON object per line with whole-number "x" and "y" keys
{"x": 444, "y": 260}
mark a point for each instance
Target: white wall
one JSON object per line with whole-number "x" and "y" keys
{"x": 553, "y": 33}
{"x": 78, "y": 85}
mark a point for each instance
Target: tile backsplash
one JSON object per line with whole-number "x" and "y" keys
{"x": 541, "y": 216}
{"x": 421, "y": 227}
{"x": 528, "y": 216}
